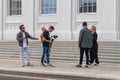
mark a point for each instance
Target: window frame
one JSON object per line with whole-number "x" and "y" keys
{"x": 40, "y": 9}
{"x": 8, "y": 9}
{"x": 78, "y": 3}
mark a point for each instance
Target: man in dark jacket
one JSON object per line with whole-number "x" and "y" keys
{"x": 22, "y": 38}
{"x": 46, "y": 46}
{"x": 85, "y": 43}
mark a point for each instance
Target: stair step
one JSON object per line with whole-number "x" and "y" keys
{"x": 109, "y": 52}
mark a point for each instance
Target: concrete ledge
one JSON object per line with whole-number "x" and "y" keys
{"x": 104, "y": 71}
{"x": 61, "y": 40}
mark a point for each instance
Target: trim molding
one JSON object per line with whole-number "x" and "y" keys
{"x": 2, "y": 20}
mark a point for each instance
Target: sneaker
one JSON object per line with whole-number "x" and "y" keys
{"x": 43, "y": 64}
{"x": 89, "y": 63}
{"x": 50, "y": 65}
{"x": 23, "y": 65}
{"x": 29, "y": 64}
{"x": 86, "y": 66}
{"x": 96, "y": 64}
{"x": 79, "y": 65}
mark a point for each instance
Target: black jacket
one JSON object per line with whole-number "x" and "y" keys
{"x": 95, "y": 43}
{"x": 20, "y": 38}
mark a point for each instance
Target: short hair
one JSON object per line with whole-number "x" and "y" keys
{"x": 84, "y": 23}
{"x": 94, "y": 28}
{"x": 52, "y": 27}
{"x": 21, "y": 26}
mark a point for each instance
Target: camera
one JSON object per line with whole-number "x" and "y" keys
{"x": 54, "y": 37}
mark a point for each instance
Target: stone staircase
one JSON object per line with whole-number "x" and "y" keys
{"x": 109, "y": 51}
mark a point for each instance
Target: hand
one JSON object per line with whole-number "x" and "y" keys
{"x": 36, "y": 38}
{"x": 50, "y": 41}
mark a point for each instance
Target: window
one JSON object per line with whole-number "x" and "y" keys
{"x": 48, "y": 7}
{"x": 14, "y": 7}
{"x": 87, "y": 6}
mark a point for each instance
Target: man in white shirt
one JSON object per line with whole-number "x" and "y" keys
{"x": 22, "y": 38}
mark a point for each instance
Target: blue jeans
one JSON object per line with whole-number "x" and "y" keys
{"x": 45, "y": 53}
{"x": 22, "y": 50}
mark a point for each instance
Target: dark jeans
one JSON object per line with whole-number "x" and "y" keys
{"x": 82, "y": 53}
{"x": 46, "y": 53}
{"x": 94, "y": 55}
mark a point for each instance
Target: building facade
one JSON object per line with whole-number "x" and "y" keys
{"x": 65, "y": 15}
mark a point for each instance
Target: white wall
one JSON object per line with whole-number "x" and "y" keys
{"x": 118, "y": 18}
{"x": 78, "y": 18}
{"x": 0, "y": 18}
{"x": 104, "y": 19}
{"x": 67, "y": 21}
{"x": 107, "y": 19}
{"x": 27, "y": 15}
{"x": 10, "y": 24}
{"x": 61, "y": 20}
{"x": 64, "y": 19}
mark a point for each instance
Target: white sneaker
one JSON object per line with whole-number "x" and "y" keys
{"x": 50, "y": 65}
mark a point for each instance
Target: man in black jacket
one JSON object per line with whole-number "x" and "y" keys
{"x": 22, "y": 38}
{"x": 46, "y": 46}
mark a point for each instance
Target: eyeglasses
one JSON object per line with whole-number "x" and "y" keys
{"x": 23, "y": 27}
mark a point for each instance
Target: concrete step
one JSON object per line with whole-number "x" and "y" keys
{"x": 109, "y": 52}
{"x": 65, "y": 60}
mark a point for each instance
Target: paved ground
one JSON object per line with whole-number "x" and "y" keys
{"x": 105, "y": 71}
{"x": 11, "y": 75}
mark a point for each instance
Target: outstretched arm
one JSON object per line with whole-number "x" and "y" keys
{"x": 29, "y": 36}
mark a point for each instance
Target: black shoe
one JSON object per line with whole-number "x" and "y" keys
{"x": 90, "y": 64}
{"x": 79, "y": 65}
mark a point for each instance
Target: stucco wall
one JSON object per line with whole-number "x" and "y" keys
{"x": 67, "y": 21}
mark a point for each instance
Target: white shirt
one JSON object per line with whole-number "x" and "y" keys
{"x": 24, "y": 41}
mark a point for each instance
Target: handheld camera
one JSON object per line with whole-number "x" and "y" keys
{"x": 53, "y": 38}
